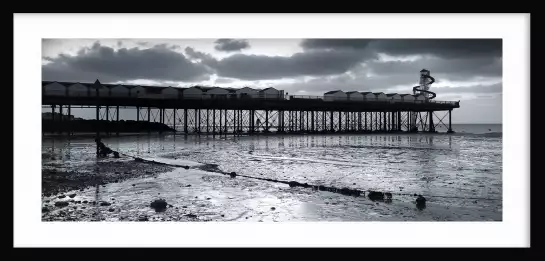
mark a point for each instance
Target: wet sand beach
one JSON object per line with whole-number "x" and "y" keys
{"x": 79, "y": 187}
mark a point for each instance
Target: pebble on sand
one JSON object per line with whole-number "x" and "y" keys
{"x": 159, "y": 205}
{"x": 72, "y": 195}
{"x": 273, "y": 208}
{"x": 104, "y": 203}
{"x": 62, "y": 196}
{"x": 111, "y": 209}
{"x": 61, "y": 204}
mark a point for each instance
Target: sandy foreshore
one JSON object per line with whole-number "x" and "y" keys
{"x": 123, "y": 189}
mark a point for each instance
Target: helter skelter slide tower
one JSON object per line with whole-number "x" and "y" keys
{"x": 422, "y": 89}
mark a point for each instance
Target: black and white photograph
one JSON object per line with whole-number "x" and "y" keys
{"x": 277, "y": 131}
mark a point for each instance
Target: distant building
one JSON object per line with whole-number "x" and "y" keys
{"x": 369, "y": 96}
{"x": 337, "y": 95}
{"x": 407, "y": 97}
{"x": 354, "y": 96}
{"x": 393, "y": 96}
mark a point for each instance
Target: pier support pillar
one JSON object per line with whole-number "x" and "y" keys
{"x": 398, "y": 120}
{"x": 97, "y": 118}
{"x": 117, "y": 119}
{"x": 431, "y": 128}
{"x": 60, "y": 119}
{"x": 185, "y": 121}
{"x": 69, "y": 120}
{"x": 149, "y": 119}
{"x": 213, "y": 121}
{"x": 312, "y": 121}
{"x": 220, "y": 130}
{"x": 340, "y": 122}
{"x": 450, "y": 121}
{"x": 174, "y": 123}
{"x": 207, "y": 121}
{"x": 266, "y": 120}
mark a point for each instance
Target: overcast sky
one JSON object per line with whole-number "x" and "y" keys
{"x": 469, "y": 70}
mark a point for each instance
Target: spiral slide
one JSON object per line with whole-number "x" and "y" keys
{"x": 415, "y": 88}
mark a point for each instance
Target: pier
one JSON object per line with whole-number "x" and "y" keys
{"x": 251, "y": 115}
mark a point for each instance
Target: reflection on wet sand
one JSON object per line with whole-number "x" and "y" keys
{"x": 422, "y": 164}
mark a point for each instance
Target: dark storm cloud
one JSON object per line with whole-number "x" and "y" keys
{"x": 445, "y": 48}
{"x": 231, "y": 45}
{"x": 311, "y": 63}
{"x": 456, "y": 67}
{"x": 335, "y": 43}
{"x": 205, "y": 58}
{"x": 102, "y": 62}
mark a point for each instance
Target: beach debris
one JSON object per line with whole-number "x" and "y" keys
{"x": 232, "y": 174}
{"x": 294, "y": 184}
{"x": 111, "y": 209}
{"x": 72, "y": 195}
{"x": 186, "y": 167}
{"x": 191, "y": 215}
{"x": 62, "y": 196}
{"x": 273, "y": 208}
{"x": 421, "y": 202}
{"x": 159, "y": 205}
{"x": 85, "y": 202}
{"x": 61, "y": 204}
{"x": 104, "y": 203}
{"x": 133, "y": 185}
{"x": 388, "y": 195}
{"x": 375, "y": 195}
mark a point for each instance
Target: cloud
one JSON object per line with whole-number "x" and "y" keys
{"x": 106, "y": 64}
{"x": 202, "y": 57}
{"x": 335, "y": 43}
{"x": 231, "y": 45}
{"x": 444, "y": 48}
{"x": 452, "y": 69}
{"x": 310, "y": 63}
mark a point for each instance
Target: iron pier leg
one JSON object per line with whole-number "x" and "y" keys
{"x": 117, "y": 119}
{"x": 450, "y": 121}
{"x": 69, "y": 120}
{"x": 60, "y": 119}
{"x": 174, "y": 116}
{"x": 214, "y": 121}
{"x": 207, "y": 121}
{"x": 185, "y": 121}
{"x": 432, "y": 127}
{"x": 266, "y": 120}
{"x": 149, "y": 119}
